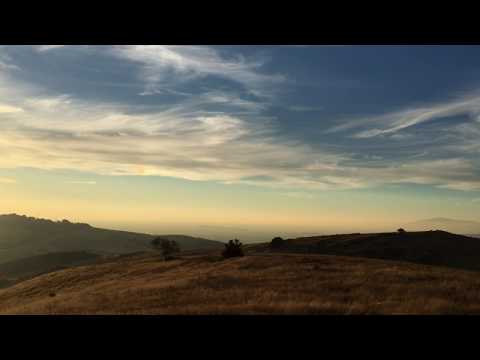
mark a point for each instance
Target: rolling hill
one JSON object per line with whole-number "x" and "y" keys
{"x": 382, "y": 273}
{"x": 22, "y": 237}
{"x": 429, "y": 247}
{"x": 450, "y": 225}
{"x": 258, "y": 284}
{"x": 22, "y": 269}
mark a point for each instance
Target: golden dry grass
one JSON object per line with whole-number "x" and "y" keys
{"x": 259, "y": 284}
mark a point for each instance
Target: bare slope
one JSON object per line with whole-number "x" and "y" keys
{"x": 261, "y": 284}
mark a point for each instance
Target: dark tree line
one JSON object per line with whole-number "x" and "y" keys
{"x": 168, "y": 248}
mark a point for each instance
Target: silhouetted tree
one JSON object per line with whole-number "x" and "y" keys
{"x": 167, "y": 247}
{"x": 233, "y": 249}
{"x": 401, "y": 231}
{"x": 156, "y": 243}
{"x": 277, "y": 242}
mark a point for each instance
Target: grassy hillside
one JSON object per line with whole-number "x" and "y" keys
{"x": 18, "y": 270}
{"x": 22, "y": 237}
{"x": 261, "y": 284}
{"x": 429, "y": 247}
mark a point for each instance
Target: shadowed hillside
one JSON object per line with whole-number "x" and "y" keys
{"x": 429, "y": 247}
{"x": 22, "y": 237}
{"x": 15, "y": 271}
{"x": 261, "y": 284}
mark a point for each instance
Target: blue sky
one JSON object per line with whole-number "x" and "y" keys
{"x": 294, "y": 119}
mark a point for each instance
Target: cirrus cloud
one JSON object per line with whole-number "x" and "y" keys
{"x": 216, "y": 134}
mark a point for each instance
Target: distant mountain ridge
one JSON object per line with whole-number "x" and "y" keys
{"x": 446, "y": 224}
{"x": 22, "y": 236}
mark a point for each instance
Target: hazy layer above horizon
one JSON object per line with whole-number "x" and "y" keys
{"x": 217, "y": 211}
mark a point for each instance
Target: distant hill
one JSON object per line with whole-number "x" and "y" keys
{"x": 428, "y": 247}
{"x": 22, "y": 237}
{"x": 445, "y": 224}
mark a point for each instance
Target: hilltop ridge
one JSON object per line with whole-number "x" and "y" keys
{"x": 438, "y": 247}
{"x": 23, "y": 236}
{"x": 442, "y": 223}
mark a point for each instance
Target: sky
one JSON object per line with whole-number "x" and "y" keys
{"x": 240, "y": 140}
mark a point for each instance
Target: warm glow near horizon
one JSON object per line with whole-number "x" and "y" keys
{"x": 159, "y": 205}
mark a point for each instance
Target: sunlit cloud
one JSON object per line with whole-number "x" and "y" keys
{"x": 83, "y": 182}
{"x": 103, "y": 139}
{"x": 462, "y": 185}
{"x": 9, "y": 109}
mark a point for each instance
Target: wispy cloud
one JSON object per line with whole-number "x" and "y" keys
{"x": 64, "y": 132}
{"x": 393, "y": 122}
{"x": 42, "y": 48}
{"x": 302, "y": 108}
{"x": 186, "y": 143}
{"x": 6, "y": 62}
{"x": 461, "y": 185}
{"x": 83, "y": 182}
{"x": 231, "y": 142}
{"x": 162, "y": 63}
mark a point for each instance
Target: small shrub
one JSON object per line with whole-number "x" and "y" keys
{"x": 167, "y": 247}
{"x": 277, "y": 243}
{"x": 401, "y": 231}
{"x": 233, "y": 249}
{"x": 52, "y": 294}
